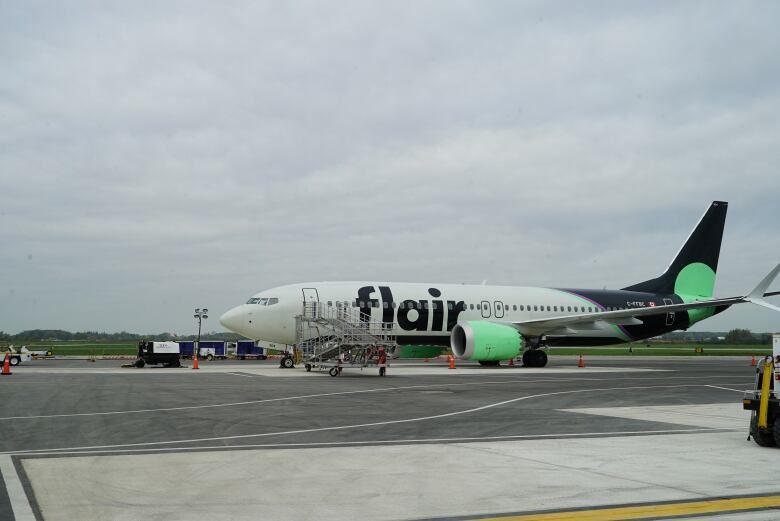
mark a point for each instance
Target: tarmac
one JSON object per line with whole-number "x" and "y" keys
{"x": 637, "y": 437}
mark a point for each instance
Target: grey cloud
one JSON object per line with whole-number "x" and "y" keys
{"x": 161, "y": 157}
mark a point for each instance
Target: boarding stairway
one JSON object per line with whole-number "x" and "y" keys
{"x": 340, "y": 335}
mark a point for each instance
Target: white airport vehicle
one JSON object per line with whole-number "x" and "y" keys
{"x": 15, "y": 357}
{"x": 166, "y": 353}
{"x": 37, "y": 353}
{"x": 494, "y": 323}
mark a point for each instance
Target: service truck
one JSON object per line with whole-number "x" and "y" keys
{"x": 166, "y": 353}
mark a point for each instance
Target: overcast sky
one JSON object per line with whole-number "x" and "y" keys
{"x": 160, "y": 156}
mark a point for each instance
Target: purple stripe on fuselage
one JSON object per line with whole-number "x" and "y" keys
{"x": 603, "y": 308}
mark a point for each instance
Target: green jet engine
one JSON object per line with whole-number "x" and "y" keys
{"x": 485, "y": 341}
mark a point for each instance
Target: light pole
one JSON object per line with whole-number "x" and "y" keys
{"x": 201, "y": 315}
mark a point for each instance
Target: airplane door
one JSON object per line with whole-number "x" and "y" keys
{"x": 485, "y": 305}
{"x": 669, "y": 316}
{"x": 498, "y": 310}
{"x": 311, "y": 297}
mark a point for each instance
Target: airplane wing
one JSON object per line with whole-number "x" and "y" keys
{"x": 570, "y": 324}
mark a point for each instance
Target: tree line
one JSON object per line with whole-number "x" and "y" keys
{"x": 122, "y": 336}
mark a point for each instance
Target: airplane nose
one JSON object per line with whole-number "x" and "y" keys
{"x": 232, "y": 319}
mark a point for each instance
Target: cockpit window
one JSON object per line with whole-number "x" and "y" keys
{"x": 260, "y": 301}
{"x": 272, "y": 301}
{"x": 252, "y": 300}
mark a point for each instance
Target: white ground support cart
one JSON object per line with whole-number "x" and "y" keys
{"x": 16, "y": 357}
{"x": 764, "y": 400}
{"x": 41, "y": 353}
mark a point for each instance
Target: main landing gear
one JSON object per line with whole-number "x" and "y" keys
{"x": 534, "y": 358}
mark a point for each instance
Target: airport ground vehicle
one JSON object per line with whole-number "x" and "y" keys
{"x": 15, "y": 357}
{"x": 211, "y": 349}
{"x": 38, "y": 353}
{"x": 248, "y": 349}
{"x": 186, "y": 348}
{"x": 208, "y": 349}
{"x": 764, "y": 400}
{"x": 166, "y": 353}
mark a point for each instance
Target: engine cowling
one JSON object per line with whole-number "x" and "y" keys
{"x": 482, "y": 340}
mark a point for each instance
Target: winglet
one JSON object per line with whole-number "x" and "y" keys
{"x": 758, "y": 291}
{"x": 756, "y": 295}
{"x": 763, "y": 303}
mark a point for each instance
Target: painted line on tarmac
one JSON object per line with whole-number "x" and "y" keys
{"x": 20, "y": 504}
{"x": 252, "y": 402}
{"x": 368, "y": 443}
{"x": 245, "y": 375}
{"x": 668, "y": 510}
{"x": 726, "y": 388}
{"x": 503, "y": 381}
{"x": 358, "y": 425}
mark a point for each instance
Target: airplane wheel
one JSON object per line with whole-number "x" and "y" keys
{"x": 490, "y": 363}
{"x": 534, "y": 358}
{"x": 334, "y": 371}
{"x": 288, "y": 363}
{"x": 763, "y": 437}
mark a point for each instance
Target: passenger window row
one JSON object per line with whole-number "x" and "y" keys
{"x": 478, "y": 307}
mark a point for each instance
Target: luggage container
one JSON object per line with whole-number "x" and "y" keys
{"x": 186, "y": 349}
{"x": 211, "y": 349}
{"x": 247, "y": 348}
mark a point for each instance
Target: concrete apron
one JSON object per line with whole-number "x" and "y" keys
{"x": 411, "y": 481}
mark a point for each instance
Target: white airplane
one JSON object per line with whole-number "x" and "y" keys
{"x": 494, "y": 323}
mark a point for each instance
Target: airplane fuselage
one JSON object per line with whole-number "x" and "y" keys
{"x": 426, "y": 313}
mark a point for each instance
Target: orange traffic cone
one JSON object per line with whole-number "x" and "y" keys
{"x": 452, "y": 361}
{"x": 6, "y": 365}
{"x": 195, "y": 362}
{"x": 581, "y": 362}
{"x": 753, "y": 361}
